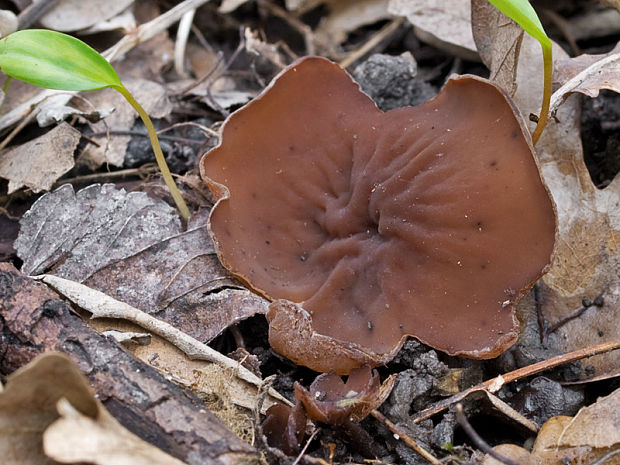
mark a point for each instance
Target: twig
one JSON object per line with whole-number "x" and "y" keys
{"x": 604, "y": 458}
{"x": 33, "y": 12}
{"x": 141, "y": 172}
{"x": 185, "y": 26}
{"x": 564, "y": 27}
{"x": 405, "y": 437}
{"x": 599, "y": 301}
{"x": 560, "y": 95}
{"x": 495, "y": 384}
{"x": 305, "y": 448}
{"x": 383, "y": 33}
{"x": 205, "y": 130}
{"x": 295, "y": 23}
{"x": 477, "y": 440}
{"x": 183, "y": 140}
{"x": 101, "y": 305}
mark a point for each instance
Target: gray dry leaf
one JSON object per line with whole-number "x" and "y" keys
{"x": 74, "y": 15}
{"x": 57, "y": 109}
{"x": 132, "y": 248}
{"x": 39, "y": 163}
{"x": 587, "y": 257}
{"x": 498, "y": 40}
{"x": 74, "y": 234}
{"x": 149, "y": 94}
{"x": 445, "y": 24}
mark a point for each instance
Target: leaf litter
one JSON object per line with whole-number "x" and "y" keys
{"x": 47, "y": 411}
{"x": 587, "y": 261}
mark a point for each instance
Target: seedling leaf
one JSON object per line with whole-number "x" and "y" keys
{"x": 56, "y": 61}
{"x": 522, "y": 12}
{"x": 59, "y": 61}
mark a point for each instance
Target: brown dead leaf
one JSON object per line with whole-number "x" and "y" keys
{"x": 47, "y": 409}
{"x": 565, "y": 68}
{"x": 39, "y": 163}
{"x": 73, "y": 15}
{"x": 517, "y": 454}
{"x": 445, "y": 24}
{"x": 602, "y": 74}
{"x": 149, "y": 94}
{"x": 228, "y": 6}
{"x": 98, "y": 439}
{"x": 28, "y": 406}
{"x": 498, "y": 40}
{"x": 597, "y": 425}
{"x": 593, "y": 433}
{"x": 346, "y": 16}
{"x": 587, "y": 258}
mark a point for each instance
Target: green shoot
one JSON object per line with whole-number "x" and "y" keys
{"x": 58, "y": 61}
{"x": 523, "y": 14}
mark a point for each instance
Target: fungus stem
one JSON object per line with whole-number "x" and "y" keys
{"x": 159, "y": 156}
{"x": 548, "y": 79}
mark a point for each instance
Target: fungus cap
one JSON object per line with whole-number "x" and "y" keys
{"x": 365, "y": 227}
{"x": 330, "y": 400}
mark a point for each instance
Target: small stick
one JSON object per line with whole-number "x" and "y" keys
{"x": 383, "y": 33}
{"x": 477, "y": 440}
{"x": 183, "y": 140}
{"x": 33, "y": 12}
{"x": 405, "y": 437}
{"x": 295, "y": 23}
{"x": 143, "y": 171}
{"x": 604, "y": 458}
{"x": 495, "y": 384}
{"x": 599, "y": 301}
{"x": 305, "y": 448}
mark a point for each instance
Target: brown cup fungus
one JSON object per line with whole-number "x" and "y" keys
{"x": 366, "y": 227}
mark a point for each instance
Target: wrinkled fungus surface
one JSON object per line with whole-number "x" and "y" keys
{"x": 365, "y": 227}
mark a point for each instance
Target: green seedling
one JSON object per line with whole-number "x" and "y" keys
{"x": 524, "y": 15}
{"x": 58, "y": 61}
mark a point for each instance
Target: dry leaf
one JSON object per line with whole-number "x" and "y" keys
{"x": 28, "y": 406}
{"x": 593, "y": 433}
{"x": 50, "y": 397}
{"x": 565, "y": 68}
{"x": 149, "y": 94}
{"x": 73, "y": 234}
{"x": 73, "y": 15}
{"x": 132, "y": 248}
{"x": 517, "y": 454}
{"x": 302, "y": 6}
{"x": 597, "y": 425}
{"x": 100, "y": 305}
{"x": 39, "y": 163}
{"x": 228, "y": 6}
{"x": 346, "y": 16}
{"x": 98, "y": 439}
{"x": 587, "y": 258}
{"x": 498, "y": 40}
{"x": 445, "y": 24}
{"x": 602, "y": 74}
{"x": 125, "y": 21}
